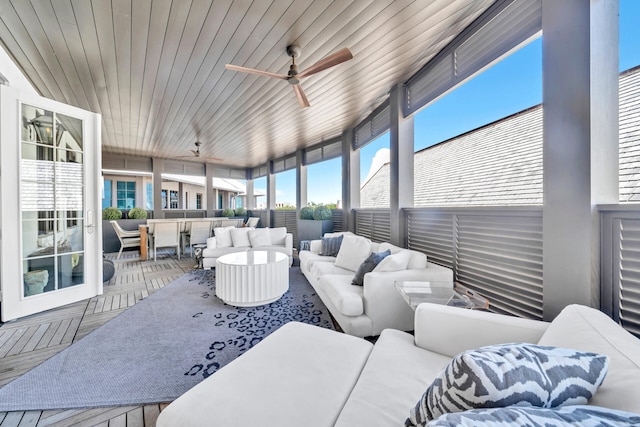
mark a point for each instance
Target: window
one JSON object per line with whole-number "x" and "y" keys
{"x": 173, "y": 200}
{"x": 126, "y": 195}
{"x": 198, "y": 201}
{"x": 149, "y": 196}
{"x": 107, "y": 193}
{"x": 164, "y": 199}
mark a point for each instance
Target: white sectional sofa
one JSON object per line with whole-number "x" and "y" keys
{"x": 367, "y": 310}
{"x": 306, "y": 375}
{"x": 228, "y": 240}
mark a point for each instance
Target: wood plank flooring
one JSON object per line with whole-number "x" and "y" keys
{"x": 27, "y": 342}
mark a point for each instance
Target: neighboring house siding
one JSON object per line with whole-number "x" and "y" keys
{"x": 500, "y": 164}
{"x": 630, "y": 136}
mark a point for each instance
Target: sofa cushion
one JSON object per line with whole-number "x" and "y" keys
{"x": 273, "y": 385}
{"x": 323, "y": 268}
{"x": 353, "y": 251}
{"x": 223, "y": 236}
{"x": 396, "y": 262}
{"x": 417, "y": 260}
{"x": 368, "y": 265}
{"x": 307, "y": 258}
{"x": 240, "y": 237}
{"x": 259, "y": 237}
{"x": 331, "y": 245}
{"x": 575, "y": 415}
{"x": 346, "y": 298}
{"x": 512, "y": 374}
{"x": 395, "y": 376}
{"x": 278, "y": 235}
{"x": 588, "y": 329}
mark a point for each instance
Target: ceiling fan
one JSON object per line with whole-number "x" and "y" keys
{"x": 198, "y": 155}
{"x": 293, "y": 77}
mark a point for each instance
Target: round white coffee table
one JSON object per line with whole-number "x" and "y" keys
{"x": 252, "y": 278}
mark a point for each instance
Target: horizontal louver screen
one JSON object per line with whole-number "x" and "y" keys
{"x": 495, "y": 252}
{"x": 325, "y": 151}
{"x": 284, "y": 164}
{"x": 183, "y": 168}
{"x": 259, "y": 172}
{"x": 128, "y": 163}
{"x": 432, "y": 234}
{"x": 262, "y": 214}
{"x": 288, "y": 219}
{"x": 336, "y": 216}
{"x": 503, "y": 27}
{"x": 628, "y": 263}
{"x": 501, "y": 257}
{"x": 373, "y": 126}
{"x": 373, "y": 224}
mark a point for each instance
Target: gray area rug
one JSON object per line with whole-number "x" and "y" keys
{"x": 159, "y": 348}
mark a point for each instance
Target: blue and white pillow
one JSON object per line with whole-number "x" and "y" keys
{"x": 512, "y": 375}
{"x": 368, "y": 265}
{"x": 331, "y": 245}
{"x": 579, "y": 415}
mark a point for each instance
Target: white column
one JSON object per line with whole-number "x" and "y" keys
{"x": 158, "y": 166}
{"x": 401, "y": 166}
{"x": 580, "y": 148}
{"x": 301, "y": 181}
{"x": 208, "y": 188}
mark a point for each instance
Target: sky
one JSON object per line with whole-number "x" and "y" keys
{"x": 512, "y": 85}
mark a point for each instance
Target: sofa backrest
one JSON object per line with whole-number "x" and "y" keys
{"x": 417, "y": 260}
{"x": 278, "y": 235}
{"x": 587, "y": 329}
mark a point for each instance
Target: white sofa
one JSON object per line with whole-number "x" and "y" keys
{"x": 367, "y": 310}
{"x": 228, "y": 240}
{"x": 306, "y": 375}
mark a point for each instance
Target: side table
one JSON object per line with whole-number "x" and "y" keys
{"x": 415, "y": 293}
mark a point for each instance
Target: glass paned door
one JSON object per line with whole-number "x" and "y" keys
{"x": 50, "y": 191}
{"x": 52, "y": 206}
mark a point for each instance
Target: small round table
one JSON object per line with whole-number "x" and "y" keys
{"x": 247, "y": 279}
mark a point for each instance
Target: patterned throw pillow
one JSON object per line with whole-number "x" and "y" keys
{"x": 331, "y": 245}
{"x": 512, "y": 374}
{"x": 579, "y": 415}
{"x": 368, "y": 265}
{"x": 305, "y": 245}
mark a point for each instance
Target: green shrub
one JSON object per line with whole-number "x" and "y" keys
{"x": 228, "y": 213}
{"x": 111, "y": 213}
{"x": 240, "y": 212}
{"x": 137, "y": 213}
{"x": 306, "y": 212}
{"x": 321, "y": 213}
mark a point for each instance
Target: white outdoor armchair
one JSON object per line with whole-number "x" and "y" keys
{"x": 128, "y": 239}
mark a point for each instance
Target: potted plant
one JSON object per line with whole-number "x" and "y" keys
{"x": 111, "y": 213}
{"x": 137, "y": 213}
{"x": 241, "y": 212}
{"x": 228, "y": 213}
{"x": 313, "y": 222}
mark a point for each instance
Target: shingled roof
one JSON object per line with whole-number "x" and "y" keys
{"x": 500, "y": 164}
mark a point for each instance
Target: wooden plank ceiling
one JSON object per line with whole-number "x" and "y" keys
{"x": 155, "y": 69}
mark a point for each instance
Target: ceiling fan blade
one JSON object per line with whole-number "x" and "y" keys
{"x": 302, "y": 98}
{"x": 258, "y": 72}
{"x": 327, "y": 62}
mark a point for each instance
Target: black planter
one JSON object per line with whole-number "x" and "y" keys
{"x": 110, "y": 242}
{"x": 311, "y": 229}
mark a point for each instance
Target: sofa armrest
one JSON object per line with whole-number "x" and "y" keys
{"x": 383, "y": 304}
{"x": 451, "y": 330}
{"x": 211, "y": 243}
{"x": 288, "y": 241}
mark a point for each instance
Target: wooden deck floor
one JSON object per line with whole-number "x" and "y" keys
{"x": 27, "y": 342}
